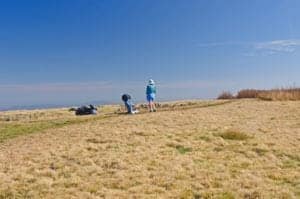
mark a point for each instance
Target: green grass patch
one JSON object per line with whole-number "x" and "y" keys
{"x": 187, "y": 193}
{"x": 182, "y": 149}
{"x": 293, "y": 161}
{"x": 290, "y": 164}
{"x": 12, "y": 130}
{"x": 226, "y": 195}
{"x": 9, "y": 130}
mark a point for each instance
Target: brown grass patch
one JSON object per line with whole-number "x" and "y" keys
{"x": 233, "y": 135}
{"x": 283, "y": 94}
{"x": 280, "y": 94}
{"x": 248, "y": 93}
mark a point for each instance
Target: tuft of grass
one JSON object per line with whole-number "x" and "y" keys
{"x": 189, "y": 194}
{"x": 94, "y": 140}
{"x": 290, "y": 164}
{"x": 260, "y": 151}
{"x": 7, "y": 193}
{"x": 252, "y": 195}
{"x": 182, "y": 149}
{"x": 233, "y": 135}
{"x": 226, "y": 195}
{"x": 204, "y": 138}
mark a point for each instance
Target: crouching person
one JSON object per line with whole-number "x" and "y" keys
{"x": 128, "y": 104}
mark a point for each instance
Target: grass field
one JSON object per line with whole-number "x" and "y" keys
{"x": 196, "y": 149}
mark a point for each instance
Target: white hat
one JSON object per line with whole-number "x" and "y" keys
{"x": 151, "y": 81}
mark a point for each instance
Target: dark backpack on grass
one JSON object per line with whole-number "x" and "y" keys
{"x": 86, "y": 110}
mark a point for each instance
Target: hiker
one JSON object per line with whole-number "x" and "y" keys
{"x": 86, "y": 110}
{"x": 128, "y": 104}
{"x": 151, "y": 93}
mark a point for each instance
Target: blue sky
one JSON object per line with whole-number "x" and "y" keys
{"x": 76, "y": 51}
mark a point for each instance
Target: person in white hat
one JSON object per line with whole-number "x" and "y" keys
{"x": 151, "y": 94}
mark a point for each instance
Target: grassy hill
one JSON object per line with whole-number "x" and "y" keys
{"x": 190, "y": 149}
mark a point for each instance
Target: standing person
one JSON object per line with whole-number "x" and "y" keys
{"x": 151, "y": 94}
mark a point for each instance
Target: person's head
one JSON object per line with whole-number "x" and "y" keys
{"x": 151, "y": 82}
{"x": 126, "y": 97}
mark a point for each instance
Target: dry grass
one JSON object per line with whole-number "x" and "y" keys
{"x": 16, "y": 123}
{"x": 226, "y": 95}
{"x": 244, "y": 149}
{"x": 35, "y": 115}
{"x": 248, "y": 93}
{"x": 280, "y": 94}
{"x": 284, "y": 94}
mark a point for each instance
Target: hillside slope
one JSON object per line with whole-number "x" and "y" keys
{"x": 243, "y": 149}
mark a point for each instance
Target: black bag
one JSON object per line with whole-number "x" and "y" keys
{"x": 86, "y": 110}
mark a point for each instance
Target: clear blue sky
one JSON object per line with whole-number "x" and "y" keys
{"x": 51, "y": 50}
